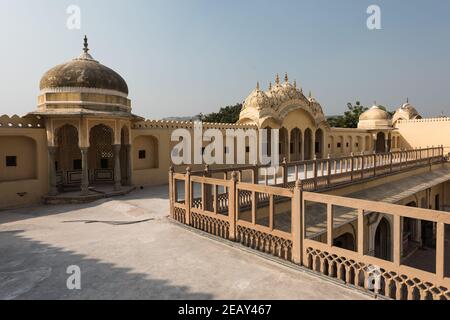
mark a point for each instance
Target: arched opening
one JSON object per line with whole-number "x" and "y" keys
{"x": 68, "y": 162}
{"x": 383, "y": 240}
{"x": 101, "y": 155}
{"x": 308, "y": 154}
{"x": 318, "y": 148}
{"x": 381, "y": 143}
{"x": 295, "y": 144}
{"x": 345, "y": 241}
{"x": 146, "y": 153}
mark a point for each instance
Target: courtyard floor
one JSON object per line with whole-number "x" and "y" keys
{"x": 127, "y": 248}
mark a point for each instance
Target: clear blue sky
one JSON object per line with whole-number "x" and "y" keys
{"x": 189, "y": 56}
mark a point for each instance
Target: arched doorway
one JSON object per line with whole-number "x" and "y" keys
{"x": 383, "y": 240}
{"x": 345, "y": 241}
{"x": 68, "y": 164}
{"x": 318, "y": 148}
{"x": 381, "y": 143}
{"x": 308, "y": 145}
{"x": 295, "y": 144}
{"x": 101, "y": 155}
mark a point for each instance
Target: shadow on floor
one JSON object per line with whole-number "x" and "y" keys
{"x": 31, "y": 269}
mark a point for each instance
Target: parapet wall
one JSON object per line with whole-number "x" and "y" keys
{"x": 164, "y": 124}
{"x": 420, "y": 133}
{"x": 20, "y": 122}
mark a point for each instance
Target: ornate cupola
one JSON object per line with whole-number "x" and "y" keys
{"x": 83, "y": 86}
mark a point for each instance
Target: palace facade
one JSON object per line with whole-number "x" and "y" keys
{"x": 84, "y": 133}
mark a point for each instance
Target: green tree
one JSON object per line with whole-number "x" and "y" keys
{"x": 350, "y": 118}
{"x": 229, "y": 114}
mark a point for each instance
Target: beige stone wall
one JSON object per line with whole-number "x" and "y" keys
{"x": 28, "y": 182}
{"x": 345, "y": 141}
{"x": 421, "y": 133}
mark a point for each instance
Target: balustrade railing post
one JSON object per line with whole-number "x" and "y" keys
{"x": 360, "y": 232}
{"x": 255, "y": 177}
{"x": 187, "y": 195}
{"x": 171, "y": 191}
{"x": 374, "y": 164}
{"x": 206, "y": 192}
{"x": 297, "y": 224}
{"x": 285, "y": 172}
{"x": 397, "y": 240}
{"x": 440, "y": 250}
{"x": 233, "y": 205}
{"x": 363, "y": 160}
{"x": 315, "y": 172}
{"x": 391, "y": 168}
{"x": 352, "y": 165}
{"x": 329, "y": 170}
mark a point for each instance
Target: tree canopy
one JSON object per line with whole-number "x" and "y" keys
{"x": 350, "y": 118}
{"x": 228, "y": 114}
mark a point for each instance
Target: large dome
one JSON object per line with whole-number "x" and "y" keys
{"x": 83, "y": 72}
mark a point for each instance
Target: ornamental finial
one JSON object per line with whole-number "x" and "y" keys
{"x": 407, "y": 100}
{"x": 286, "y": 78}
{"x": 270, "y": 85}
{"x": 257, "y": 85}
{"x": 295, "y": 84}
{"x": 277, "y": 79}
{"x": 86, "y": 45}
{"x": 310, "y": 94}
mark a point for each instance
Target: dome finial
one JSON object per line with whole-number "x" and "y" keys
{"x": 295, "y": 84}
{"x": 310, "y": 94}
{"x": 407, "y": 100}
{"x": 86, "y": 45}
{"x": 270, "y": 85}
{"x": 257, "y": 85}
{"x": 286, "y": 78}
{"x": 277, "y": 79}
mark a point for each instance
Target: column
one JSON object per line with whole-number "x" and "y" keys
{"x": 129, "y": 172}
{"x": 117, "y": 178}
{"x": 84, "y": 171}
{"x": 53, "y": 191}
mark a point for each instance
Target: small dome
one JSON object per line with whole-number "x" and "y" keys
{"x": 83, "y": 72}
{"x": 257, "y": 99}
{"x": 406, "y": 112}
{"x": 374, "y": 113}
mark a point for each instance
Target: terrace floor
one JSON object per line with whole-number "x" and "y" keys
{"x": 126, "y": 248}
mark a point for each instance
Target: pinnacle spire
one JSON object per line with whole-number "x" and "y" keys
{"x": 286, "y": 78}
{"x": 86, "y": 45}
{"x": 277, "y": 79}
{"x": 270, "y": 85}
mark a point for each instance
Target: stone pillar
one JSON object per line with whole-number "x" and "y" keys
{"x": 53, "y": 191}
{"x": 129, "y": 172}
{"x": 117, "y": 178}
{"x": 84, "y": 171}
